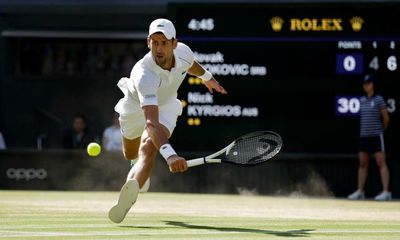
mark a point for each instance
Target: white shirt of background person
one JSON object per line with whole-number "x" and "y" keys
{"x": 112, "y": 139}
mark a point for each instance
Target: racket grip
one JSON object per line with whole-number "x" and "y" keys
{"x": 196, "y": 162}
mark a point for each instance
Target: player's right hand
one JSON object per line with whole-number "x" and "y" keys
{"x": 177, "y": 164}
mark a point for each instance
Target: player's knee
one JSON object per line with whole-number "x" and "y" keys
{"x": 147, "y": 147}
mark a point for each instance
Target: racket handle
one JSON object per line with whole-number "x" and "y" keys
{"x": 203, "y": 160}
{"x": 196, "y": 162}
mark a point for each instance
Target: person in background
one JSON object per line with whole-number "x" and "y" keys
{"x": 2, "y": 142}
{"x": 79, "y": 136}
{"x": 112, "y": 138}
{"x": 374, "y": 119}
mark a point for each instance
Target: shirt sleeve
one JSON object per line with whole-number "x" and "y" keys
{"x": 186, "y": 54}
{"x": 381, "y": 103}
{"x": 146, "y": 84}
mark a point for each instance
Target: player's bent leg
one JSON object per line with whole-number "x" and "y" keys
{"x": 131, "y": 174}
{"x": 144, "y": 164}
{"x": 130, "y": 147}
{"x": 131, "y": 152}
{"x": 127, "y": 197}
{"x": 147, "y": 155}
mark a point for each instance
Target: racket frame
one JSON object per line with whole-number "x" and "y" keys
{"x": 210, "y": 158}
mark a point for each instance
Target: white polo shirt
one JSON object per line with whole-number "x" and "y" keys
{"x": 149, "y": 84}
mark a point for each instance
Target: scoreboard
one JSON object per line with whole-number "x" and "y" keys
{"x": 296, "y": 69}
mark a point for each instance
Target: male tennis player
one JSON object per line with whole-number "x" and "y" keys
{"x": 150, "y": 108}
{"x": 374, "y": 119}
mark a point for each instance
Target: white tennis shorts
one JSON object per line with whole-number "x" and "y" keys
{"x": 133, "y": 124}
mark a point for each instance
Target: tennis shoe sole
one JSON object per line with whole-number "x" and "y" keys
{"x": 127, "y": 197}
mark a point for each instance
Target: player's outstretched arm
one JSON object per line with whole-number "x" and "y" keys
{"x": 210, "y": 82}
{"x": 159, "y": 136}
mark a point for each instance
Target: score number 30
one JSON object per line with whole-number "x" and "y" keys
{"x": 351, "y": 105}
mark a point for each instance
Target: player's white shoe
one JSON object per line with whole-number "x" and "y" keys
{"x": 131, "y": 173}
{"x": 357, "y": 195}
{"x": 127, "y": 197}
{"x": 384, "y": 196}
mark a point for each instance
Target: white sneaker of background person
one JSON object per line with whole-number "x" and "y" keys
{"x": 384, "y": 196}
{"x": 357, "y": 195}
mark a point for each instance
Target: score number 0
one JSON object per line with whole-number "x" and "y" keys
{"x": 349, "y": 63}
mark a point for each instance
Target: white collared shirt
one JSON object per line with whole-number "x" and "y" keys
{"x": 112, "y": 136}
{"x": 149, "y": 84}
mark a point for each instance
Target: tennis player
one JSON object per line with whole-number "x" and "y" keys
{"x": 150, "y": 108}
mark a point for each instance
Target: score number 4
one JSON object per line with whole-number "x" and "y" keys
{"x": 391, "y": 63}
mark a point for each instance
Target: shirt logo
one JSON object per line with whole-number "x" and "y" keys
{"x": 149, "y": 96}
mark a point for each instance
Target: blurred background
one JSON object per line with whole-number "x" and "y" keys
{"x": 293, "y": 67}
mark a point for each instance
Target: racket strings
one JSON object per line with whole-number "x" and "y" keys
{"x": 255, "y": 148}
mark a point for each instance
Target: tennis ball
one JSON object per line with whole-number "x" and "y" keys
{"x": 93, "y": 149}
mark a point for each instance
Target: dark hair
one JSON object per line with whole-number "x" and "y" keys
{"x": 369, "y": 78}
{"x": 81, "y": 116}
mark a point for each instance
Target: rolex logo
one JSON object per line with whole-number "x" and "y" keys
{"x": 356, "y": 23}
{"x": 276, "y": 24}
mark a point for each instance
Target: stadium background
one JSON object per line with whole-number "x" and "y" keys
{"x": 65, "y": 58}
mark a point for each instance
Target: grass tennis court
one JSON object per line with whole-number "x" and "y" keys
{"x": 83, "y": 215}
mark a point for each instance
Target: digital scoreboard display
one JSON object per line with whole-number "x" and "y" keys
{"x": 296, "y": 69}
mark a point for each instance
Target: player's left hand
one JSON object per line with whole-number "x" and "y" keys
{"x": 213, "y": 84}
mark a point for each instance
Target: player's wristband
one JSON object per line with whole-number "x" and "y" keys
{"x": 206, "y": 76}
{"x": 167, "y": 151}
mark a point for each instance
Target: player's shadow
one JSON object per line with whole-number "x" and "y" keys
{"x": 290, "y": 233}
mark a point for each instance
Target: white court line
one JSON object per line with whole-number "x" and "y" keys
{"x": 355, "y": 231}
{"x": 8, "y": 234}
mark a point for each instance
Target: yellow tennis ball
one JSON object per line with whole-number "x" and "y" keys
{"x": 93, "y": 149}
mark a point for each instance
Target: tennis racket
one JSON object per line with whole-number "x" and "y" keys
{"x": 248, "y": 150}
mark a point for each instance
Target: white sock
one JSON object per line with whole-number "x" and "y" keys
{"x": 132, "y": 171}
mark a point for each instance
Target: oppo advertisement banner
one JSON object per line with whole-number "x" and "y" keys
{"x": 61, "y": 170}
{"x": 74, "y": 170}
